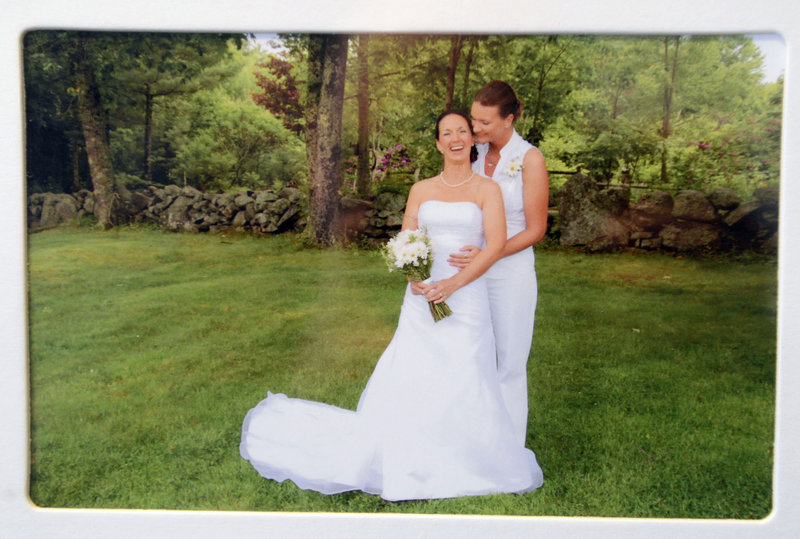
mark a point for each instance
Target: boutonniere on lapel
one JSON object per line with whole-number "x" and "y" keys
{"x": 514, "y": 167}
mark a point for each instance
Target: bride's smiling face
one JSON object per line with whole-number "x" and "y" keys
{"x": 455, "y": 137}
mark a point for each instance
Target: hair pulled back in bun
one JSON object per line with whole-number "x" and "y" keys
{"x": 500, "y": 94}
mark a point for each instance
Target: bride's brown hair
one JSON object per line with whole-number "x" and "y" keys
{"x": 500, "y": 94}
{"x": 473, "y": 152}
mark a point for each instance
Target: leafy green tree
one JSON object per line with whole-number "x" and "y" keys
{"x": 107, "y": 204}
{"x": 671, "y": 49}
{"x": 221, "y": 139}
{"x": 727, "y": 114}
{"x": 545, "y": 82}
{"x": 254, "y": 148}
{"x": 603, "y": 125}
{"x": 228, "y": 144}
{"x": 154, "y": 66}
{"x": 632, "y": 92}
{"x": 408, "y": 89}
{"x": 472, "y": 43}
{"x": 453, "y": 56}
{"x": 54, "y": 157}
{"x": 78, "y": 113}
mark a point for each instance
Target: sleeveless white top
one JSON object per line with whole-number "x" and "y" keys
{"x": 508, "y": 175}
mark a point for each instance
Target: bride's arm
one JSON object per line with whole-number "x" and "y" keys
{"x": 412, "y": 207}
{"x": 410, "y": 222}
{"x": 494, "y": 229}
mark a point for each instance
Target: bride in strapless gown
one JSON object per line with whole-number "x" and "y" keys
{"x": 431, "y": 422}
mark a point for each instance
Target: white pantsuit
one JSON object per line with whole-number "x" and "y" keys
{"x": 512, "y": 286}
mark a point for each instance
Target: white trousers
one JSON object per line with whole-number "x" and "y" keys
{"x": 512, "y": 295}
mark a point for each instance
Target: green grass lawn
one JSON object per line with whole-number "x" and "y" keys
{"x": 652, "y": 378}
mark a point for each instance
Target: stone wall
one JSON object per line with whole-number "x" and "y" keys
{"x": 375, "y": 219}
{"x": 583, "y": 214}
{"x": 182, "y": 209}
{"x": 603, "y": 218}
{"x": 189, "y": 210}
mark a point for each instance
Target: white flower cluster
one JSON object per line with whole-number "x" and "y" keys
{"x": 409, "y": 247}
{"x": 514, "y": 167}
{"x": 411, "y": 253}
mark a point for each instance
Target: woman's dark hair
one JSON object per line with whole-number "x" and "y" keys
{"x": 499, "y": 94}
{"x": 473, "y": 152}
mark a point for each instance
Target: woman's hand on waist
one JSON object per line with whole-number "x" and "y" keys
{"x": 462, "y": 258}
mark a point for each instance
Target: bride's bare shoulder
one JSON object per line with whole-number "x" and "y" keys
{"x": 423, "y": 186}
{"x": 488, "y": 185}
{"x": 428, "y": 181}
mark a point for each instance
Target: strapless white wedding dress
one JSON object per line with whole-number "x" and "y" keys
{"x": 431, "y": 422}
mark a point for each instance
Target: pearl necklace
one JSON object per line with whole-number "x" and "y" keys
{"x": 441, "y": 176}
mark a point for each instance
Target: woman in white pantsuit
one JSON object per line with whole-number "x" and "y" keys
{"x": 519, "y": 169}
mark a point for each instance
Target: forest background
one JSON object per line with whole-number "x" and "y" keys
{"x": 221, "y": 112}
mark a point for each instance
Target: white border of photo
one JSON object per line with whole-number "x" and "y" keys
{"x": 20, "y": 518}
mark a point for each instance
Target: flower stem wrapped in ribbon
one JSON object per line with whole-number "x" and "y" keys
{"x": 411, "y": 253}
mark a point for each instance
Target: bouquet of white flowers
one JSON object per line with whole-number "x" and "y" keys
{"x": 411, "y": 253}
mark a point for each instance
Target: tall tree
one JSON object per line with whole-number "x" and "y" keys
{"x": 54, "y": 158}
{"x": 108, "y": 208}
{"x": 363, "y": 172}
{"x": 545, "y": 67}
{"x": 670, "y": 73}
{"x": 161, "y": 65}
{"x": 281, "y": 95}
{"x": 473, "y": 43}
{"x": 456, "y": 44}
{"x": 327, "y": 59}
{"x": 542, "y": 81}
{"x": 220, "y": 139}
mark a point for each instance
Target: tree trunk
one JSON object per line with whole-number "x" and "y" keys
{"x": 544, "y": 71}
{"x": 539, "y": 98}
{"x": 363, "y": 166}
{"x": 456, "y": 42}
{"x": 467, "y": 67}
{"x": 325, "y": 150}
{"x": 75, "y": 152}
{"x": 669, "y": 86}
{"x": 98, "y": 151}
{"x": 148, "y": 135}
{"x": 316, "y": 44}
